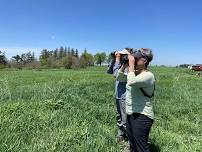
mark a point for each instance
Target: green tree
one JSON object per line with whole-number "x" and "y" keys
{"x": 61, "y": 52}
{"x": 55, "y": 53}
{"x": 44, "y": 57}
{"x": 29, "y": 57}
{"x": 65, "y": 52}
{"x": 72, "y": 52}
{"x": 87, "y": 57}
{"x": 100, "y": 58}
{"x": 18, "y": 62}
{"x": 68, "y": 51}
{"x": 76, "y": 53}
{"x": 17, "y": 58}
{"x": 33, "y": 56}
{"x": 3, "y": 60}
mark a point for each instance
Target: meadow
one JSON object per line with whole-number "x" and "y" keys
{"x": 58, "y": 110}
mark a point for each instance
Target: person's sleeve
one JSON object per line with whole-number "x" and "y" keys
{"x": 140, "y": 81}
{"x": 110, "y": 67}
{"x": 121, "y": 77}
{"x": 116, "y": 67}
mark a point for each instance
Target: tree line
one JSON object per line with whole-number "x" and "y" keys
{"x": 68, "y": 58}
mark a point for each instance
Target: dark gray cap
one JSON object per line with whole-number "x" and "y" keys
{"x": 143, "y": 53}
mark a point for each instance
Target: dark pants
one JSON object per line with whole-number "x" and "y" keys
{"x": 138, "y": 127}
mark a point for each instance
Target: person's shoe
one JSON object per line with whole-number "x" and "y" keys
{"x": 126, "y": 147}
{"x": 120, "y": 139}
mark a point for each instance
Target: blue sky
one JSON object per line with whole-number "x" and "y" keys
{"x": 172, "y": 28}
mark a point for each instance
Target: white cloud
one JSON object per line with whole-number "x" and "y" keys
{"x": 53, "y": 37}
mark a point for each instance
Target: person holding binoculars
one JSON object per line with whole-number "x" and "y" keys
{"x": 120, "y": 93}
{"x": 140, "y": 89}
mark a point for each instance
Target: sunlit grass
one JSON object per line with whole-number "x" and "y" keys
{"x": 67, "y": 110}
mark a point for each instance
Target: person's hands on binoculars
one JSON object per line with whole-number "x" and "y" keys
{"x": 117, "y": 56}
{"x": 130, "y": 64}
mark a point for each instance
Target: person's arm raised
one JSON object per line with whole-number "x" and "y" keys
{"x": 142, "y": 80}
{"x": 117, "y": 64}
{"x": 120, "y": 75}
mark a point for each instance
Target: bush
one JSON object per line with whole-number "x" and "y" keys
{"x": 2, "y": 66}
{"x": 33, "y": 65}
{"x": 67, "y": 62}
{"x": 75, "y": 63}
{"x": 19, "y": 65}
{"x": 72, "y": 62}
{"x": 82, "y": 62}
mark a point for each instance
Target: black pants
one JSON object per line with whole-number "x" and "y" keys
{"x": 138, "y": 127}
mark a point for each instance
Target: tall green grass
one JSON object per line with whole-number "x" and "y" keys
{"x": 67, "y": 110}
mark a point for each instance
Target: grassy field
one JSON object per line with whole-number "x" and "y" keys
{"x": 67, "y": 110}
